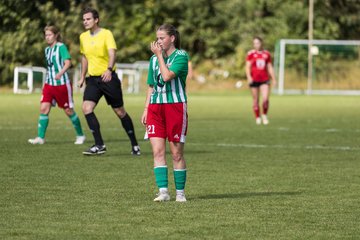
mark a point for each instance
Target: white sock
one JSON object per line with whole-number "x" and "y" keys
{"x": 180, "y": 191}
{"x": 162, "y": 190}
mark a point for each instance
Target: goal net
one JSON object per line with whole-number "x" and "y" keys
{"x": 335, "y": 67}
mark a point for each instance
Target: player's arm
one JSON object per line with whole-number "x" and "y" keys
{"x": 248, "y": 72}
{"x": 84, "y": 68}
{"x": 190, "y": 71}
{"x": 147, "y": 102}
{"x": 271, "y": 73}
{"x": 166, "y": 74}
{"x": 106, "y": 76}
{"x": 67, "y": 65}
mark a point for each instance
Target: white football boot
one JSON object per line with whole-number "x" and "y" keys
{"x": 265, "y": 119}
{"x": 80, "y": 140}
{"x": 180, "y": 196}
{"x": 162, "y": 196}
{"x": 37, "y": 140}
{"x": 258, "y": 121}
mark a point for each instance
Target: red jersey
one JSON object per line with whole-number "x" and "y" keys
{"x": 259, "y": 61}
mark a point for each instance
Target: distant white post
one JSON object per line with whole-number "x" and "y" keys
{"x": 310, "y": 43}
{"x": 281, "y": 67}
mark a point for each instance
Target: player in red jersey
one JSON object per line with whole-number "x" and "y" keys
{"x": 259, "y": 70}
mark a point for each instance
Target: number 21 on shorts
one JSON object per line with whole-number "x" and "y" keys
{"x": 151, "y": 129}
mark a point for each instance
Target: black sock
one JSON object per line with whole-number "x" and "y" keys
{"x": 129, "y": 128}
{"x": 94, "y": 128}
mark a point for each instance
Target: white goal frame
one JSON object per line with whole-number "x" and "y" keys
{"x": 30, "y": 78}
{"x": 281, "y": 70}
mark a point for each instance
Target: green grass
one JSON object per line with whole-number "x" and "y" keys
{"x": 297, "y": 178}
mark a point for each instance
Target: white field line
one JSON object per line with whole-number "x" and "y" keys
{"x": 278, "y": 146}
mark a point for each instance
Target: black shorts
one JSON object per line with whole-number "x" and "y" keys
{"x": 96, "y": 88}
{"x": 258, "y": 84}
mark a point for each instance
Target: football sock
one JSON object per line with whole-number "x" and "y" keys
{"x": 129, "y": 128}
{"x": 265, "y": 107}
{"x": 256, "y": 110}
{"x": 94, "y": 128}
{"x": 161, "y": 176}
{"x": 42, "y": 125}
{"x": 180, "y": 178}
{"x": 76, "y": 123}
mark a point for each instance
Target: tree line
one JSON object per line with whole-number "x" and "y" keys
{"x": 214, "y": 30}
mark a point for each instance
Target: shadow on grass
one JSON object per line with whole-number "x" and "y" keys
{"x": 245, "y": 195}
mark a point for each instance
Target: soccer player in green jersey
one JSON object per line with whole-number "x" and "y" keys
{"x": 165, "y": 114}
{"x": 57, "y": 87}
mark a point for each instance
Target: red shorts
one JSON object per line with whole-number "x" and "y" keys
{"x": 62, "y": 95}
{"x": 167, "y": 120}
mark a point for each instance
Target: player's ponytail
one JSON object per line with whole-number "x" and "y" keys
{"x": 171, "y": 31}
{"x": 55, "y": 30}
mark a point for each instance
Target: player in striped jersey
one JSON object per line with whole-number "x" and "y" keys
{"x": 57, "y": 87}
{"x": 165, "y": 114}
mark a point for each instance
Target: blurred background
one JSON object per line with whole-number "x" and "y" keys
{"x": 216, "y": 33}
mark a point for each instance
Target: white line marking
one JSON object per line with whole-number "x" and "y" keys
{"x": 315, "y": 147}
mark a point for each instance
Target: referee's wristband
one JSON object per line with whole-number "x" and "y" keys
{"x": 110, "y": 69}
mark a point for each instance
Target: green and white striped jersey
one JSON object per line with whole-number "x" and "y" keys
{"x": 55, "y": 57}
{"x": 174, "y": 90}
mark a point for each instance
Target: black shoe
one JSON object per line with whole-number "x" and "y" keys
{"x": 95, "y": 150}
{"x": 135, "y": 150}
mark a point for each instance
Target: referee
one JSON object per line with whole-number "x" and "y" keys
{"x": 97, "y": 46}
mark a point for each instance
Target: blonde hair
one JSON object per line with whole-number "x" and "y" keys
{"x": 55, "y": 30}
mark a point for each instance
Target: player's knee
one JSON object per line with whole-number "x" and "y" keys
{"x": 44, "y": 110}
{"x": 177, "y": 157}
{"x": 158, "y": 154}
{"x": 87, "y": 108}
{"x": 120, "y": 112}
{"x": 69, "y": 111}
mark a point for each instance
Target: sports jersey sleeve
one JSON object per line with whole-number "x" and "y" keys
{"x": 64, "y": 53}
{"x": 180, "y": 65}
{"x": 249, "y": 57}
{"x": 110, "y": 41}
{"x": 150, "y": 79}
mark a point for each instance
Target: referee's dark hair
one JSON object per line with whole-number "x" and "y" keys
{"x": 93, "y": 11}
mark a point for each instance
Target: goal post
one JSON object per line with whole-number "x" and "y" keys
{"x": 336, "y": 65}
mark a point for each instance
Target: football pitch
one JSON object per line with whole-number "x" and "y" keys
{"x": 297, "y": 178}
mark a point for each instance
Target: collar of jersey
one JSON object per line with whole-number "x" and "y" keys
{"x": 94, "y": 35}
{"x": 171, "y": 53}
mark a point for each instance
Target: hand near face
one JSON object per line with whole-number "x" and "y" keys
{"x": 155, "y": 48}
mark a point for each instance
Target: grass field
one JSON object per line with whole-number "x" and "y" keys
{"x": 297, "y": 178}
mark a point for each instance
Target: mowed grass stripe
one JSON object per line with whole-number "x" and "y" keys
{"x": 305, "y": 188}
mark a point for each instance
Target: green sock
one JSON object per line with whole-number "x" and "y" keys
{"x": 42, "y": 125}
{"x": 180, "y": 178}
{"x": 161, "y": 176}
{"x": 76, "y": 123}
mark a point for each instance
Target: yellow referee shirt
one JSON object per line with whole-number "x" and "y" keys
{"x": 95, "y": 49}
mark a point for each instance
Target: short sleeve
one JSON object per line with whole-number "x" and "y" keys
{"x": 249, "y": 57}
{"x": 64, "y": 53}
{"x": 180, "y": 64}
{"x": 110, "y": 41}
{"x": 150, "y": 79}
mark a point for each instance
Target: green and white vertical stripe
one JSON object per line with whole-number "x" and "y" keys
{"x": 172, "y": 91}
{"x": 55, "y": 57}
